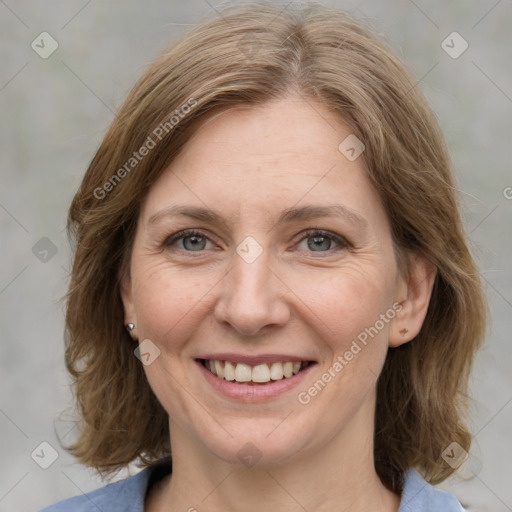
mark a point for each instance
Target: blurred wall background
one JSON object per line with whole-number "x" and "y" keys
{"x": 54, "y": 110}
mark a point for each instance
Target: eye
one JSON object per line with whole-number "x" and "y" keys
{"x": 323, "y": 241}
{"x": 191, "y": 240}
{"x": 315, "y": 241}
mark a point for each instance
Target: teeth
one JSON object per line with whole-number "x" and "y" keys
{"x": 276, "y": 371}
{"x": 288, "y": 369}
{"x": 259, "y": 373}
{"x": 229, "y": 371}
{"x": 243, "y": 373}
{"x": 219, "y": 370}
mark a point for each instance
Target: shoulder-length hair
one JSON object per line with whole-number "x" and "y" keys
{"x": 248, "y": 56}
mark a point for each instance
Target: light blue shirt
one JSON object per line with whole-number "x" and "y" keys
{"x": 128, "y": 496}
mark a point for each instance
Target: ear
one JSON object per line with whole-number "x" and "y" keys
{"x": 414, "y": 292}
{"x": 126, "y": 292}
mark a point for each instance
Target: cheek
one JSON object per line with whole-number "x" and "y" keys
{"x": 170, "y": 305}
{"x": 352, "y": 310}
{"x": 169, "y": 302}
{"x": 349, "y": 300}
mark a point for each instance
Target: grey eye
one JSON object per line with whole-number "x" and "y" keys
{"x": 319, "y": 243}
{"x": 194, "y": 242}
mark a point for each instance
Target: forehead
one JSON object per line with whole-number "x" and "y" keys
{"x": 264, "y": 160}
{"x": 290, "y": 128}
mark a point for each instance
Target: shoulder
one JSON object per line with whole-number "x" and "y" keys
{"x": 124, "y": 496}
{"x": 420, "y": 496}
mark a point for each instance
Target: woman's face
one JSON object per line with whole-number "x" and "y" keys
{"x": 290, "y": 260}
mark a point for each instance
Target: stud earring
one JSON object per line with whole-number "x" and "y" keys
{"x": 403, "y": 332}
{"x": 130, "y": 327}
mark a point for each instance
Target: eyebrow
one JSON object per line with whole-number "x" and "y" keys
{"x": 289, "y": 215}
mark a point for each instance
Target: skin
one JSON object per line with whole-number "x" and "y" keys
{"x": 249, "y": 166}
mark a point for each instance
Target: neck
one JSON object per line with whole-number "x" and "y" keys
{"x": 339, "y": 476}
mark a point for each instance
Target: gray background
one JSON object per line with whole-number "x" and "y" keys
{"x": 53, "y": 114}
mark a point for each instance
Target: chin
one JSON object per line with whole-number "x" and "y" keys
{"x": 260, "y": 445}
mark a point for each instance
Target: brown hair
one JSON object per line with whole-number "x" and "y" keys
{"x": 248, "y": 56}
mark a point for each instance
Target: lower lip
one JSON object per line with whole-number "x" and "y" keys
{"x": 254, "y": 392}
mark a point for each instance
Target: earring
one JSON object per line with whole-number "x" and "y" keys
{"x": 130, "y": 327}
{"x": 403, "y": 332}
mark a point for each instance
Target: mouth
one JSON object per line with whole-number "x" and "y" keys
{"x": 258, "y": 374}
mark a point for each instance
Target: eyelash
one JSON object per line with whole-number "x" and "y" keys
{"x": 342, "y": 242}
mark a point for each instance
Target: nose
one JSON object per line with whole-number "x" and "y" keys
{"x": 252, "y": 298}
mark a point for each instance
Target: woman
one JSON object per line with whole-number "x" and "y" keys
{"x": 271, "y": 280}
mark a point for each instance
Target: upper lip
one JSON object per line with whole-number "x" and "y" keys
{"x": 253, "y": 359}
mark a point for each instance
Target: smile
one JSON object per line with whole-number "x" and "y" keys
{"x": 263, "y": 373}
{"x": 253, "y": 378}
